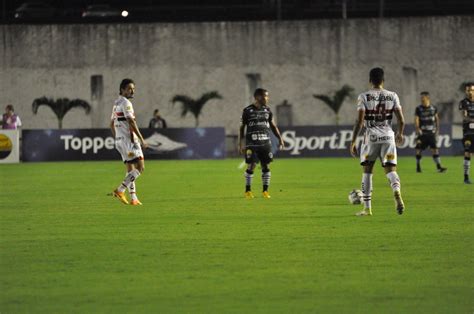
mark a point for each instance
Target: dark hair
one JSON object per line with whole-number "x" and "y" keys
{"x": 156, "y": 111}
{"x": 468, "y": 84}
{"x": 425, "y": 93}
{"x": 125, "y": 82}
{"x": 259, "y": 92}
{"x": 9, "y": 107}
{"x": 376, "y": 76}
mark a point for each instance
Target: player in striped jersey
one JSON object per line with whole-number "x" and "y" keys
{"x": 427, "y": 131}
{"x": 255, "y": 126}
{"x": 466, "y": 106}
{"x": 127, "y": 141}
{"x": 376, "y": 108}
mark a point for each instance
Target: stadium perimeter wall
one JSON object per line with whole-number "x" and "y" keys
{"x": 293, "y": 59}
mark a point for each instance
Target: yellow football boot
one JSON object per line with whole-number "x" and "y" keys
{"x": 249, "y": 195}
{"x": 121, "y": 196}
{"x": 365, "y": 212}
{"x": 266, "y": 194}
{"x": 135, "y": 202}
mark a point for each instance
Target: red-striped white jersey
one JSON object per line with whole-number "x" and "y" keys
{"x": 122, "y": 110}
{"x": 378, "y": 105}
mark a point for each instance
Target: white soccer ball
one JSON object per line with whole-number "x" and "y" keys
{"x": 355, "y": 197}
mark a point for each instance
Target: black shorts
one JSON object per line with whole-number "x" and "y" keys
{"x": 260, "y": 153}
{"x": 468, "y": 142}
{"x": 426, "y": 140}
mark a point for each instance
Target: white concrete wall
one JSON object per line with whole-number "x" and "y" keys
{"x": 296, "y": 59}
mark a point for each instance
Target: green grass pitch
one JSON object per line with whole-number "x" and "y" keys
{"x": 197, "y": 246}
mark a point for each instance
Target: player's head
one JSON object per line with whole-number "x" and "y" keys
{"x": 127, "y": 88}
{"x": 469, "y": 89}
{"x": 425, "y": 98}
{"x": 261, "y": 96}
{"x": 156, "y": 113}
{"x": 376, "y": 77}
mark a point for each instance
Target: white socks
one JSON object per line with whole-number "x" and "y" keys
{"x": 394, "y": 181}
{"x": 467, "y": 165}
{"x": 266, "y": 180}
{"x": 248, "y": 178}
{"x": 130, "y": 178}
{"x": 367, "y": 186}
{"x": 132, "y": 191}
{"x": 367, "y": 189}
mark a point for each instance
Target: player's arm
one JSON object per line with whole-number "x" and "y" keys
{"x": 277, "y": 133}
{"x": 134, "y": 128}
{"x": 243, "y": 124}
{"x": 401, "y": 125}
{"x": 437, "y": 123}
{"x": 417, "y": 123}
{"x": 241, "y": 138}
{"x": 359, "y": 123}
{"x": 465, "y": 117}
{"x": 112, "y": 127}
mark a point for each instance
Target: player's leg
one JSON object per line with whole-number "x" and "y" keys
{"x": 389, "y": 162}
{"x": 266, "y": 176}
{"x": 419, "y": 149}
{"x": 132, "y": 190}
{"x": 134, "y": 169}
{"x": 119, "y": 192}
{"x": 251, "y": 161}
{"x": 468, "y": 146}
{"x": 418, "y": 160}
{"x": 366, "y": 187}
{"x": 248, "y": 174}
{"x": 266, "y": 157}
{"x": 133, "y": 158}
{"x": 132, "y": 174}
{"x": 368, "y": 155}
{"x": 437, "y": 159}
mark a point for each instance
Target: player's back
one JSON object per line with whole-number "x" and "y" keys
{"x": 379, "y": 106}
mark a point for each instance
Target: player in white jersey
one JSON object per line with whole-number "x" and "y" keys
{"x": 376, "y": 108}
{"x": 127, "y": 141}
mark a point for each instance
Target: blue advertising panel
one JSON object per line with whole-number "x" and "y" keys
{"x": 335, "y": 141}
{"x": 98, "y": 144}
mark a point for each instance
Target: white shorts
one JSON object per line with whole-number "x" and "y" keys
{"x": 130, "y": 151}
{"x": 386, "y": 152}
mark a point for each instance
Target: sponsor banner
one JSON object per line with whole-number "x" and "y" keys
{"x": 9, "y": 146}
{"x": 333, "y": 141}
{"x": 98, "y": 144}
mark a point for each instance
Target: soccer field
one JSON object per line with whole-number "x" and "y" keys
{"x": 197, "y": 246}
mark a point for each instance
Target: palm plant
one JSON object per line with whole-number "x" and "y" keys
{"x": 194, "y": 106}
{"x": 335, "y": 102}
{"x": 60, "y": 106}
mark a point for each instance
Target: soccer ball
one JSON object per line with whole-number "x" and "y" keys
{"x": 355, "y": 197}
